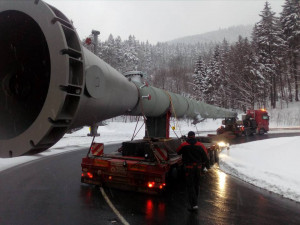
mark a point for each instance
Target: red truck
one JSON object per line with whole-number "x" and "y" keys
{"x": 142, "y": 165}
{"x": 254, "y": 122}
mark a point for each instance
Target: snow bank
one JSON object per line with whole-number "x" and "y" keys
{"x": 270, "y": 164}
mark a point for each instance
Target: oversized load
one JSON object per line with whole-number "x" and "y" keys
{"x": 50, "y": 83}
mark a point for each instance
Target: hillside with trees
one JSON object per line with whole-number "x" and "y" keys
{"x": 261, "y": 71}
{"x": 230, "y": 34}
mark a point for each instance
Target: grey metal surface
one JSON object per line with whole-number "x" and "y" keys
{"x": 180, "y": 106}
{"x": 108, "y": 94}
{"x": 58, "y": 99}
{"x": 53, "y": 115}
{"x": 50, "y": 83}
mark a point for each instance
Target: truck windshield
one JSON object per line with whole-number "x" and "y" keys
{"x": 265, "y": 117}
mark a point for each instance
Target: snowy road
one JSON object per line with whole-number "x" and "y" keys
{"x": 48, "y": 191}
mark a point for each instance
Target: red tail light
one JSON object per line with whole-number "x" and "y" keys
{"x": 90, "y": 175}
{"x": 151, "y": 184}
{"x": 162, "y": 186}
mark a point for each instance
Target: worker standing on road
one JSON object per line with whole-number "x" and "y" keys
{"x": 194, "y": 156}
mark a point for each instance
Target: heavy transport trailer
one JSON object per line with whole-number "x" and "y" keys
{"x": 253, "y": 122}
{"x": 231, "y": 128}
{"x": 142, "y": 165}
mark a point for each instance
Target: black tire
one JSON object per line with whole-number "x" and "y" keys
{"x": 216, "y": 156}
{"x": 172, "y": 174}
{"x": 261, "y": 131}
{"x": 246, "y": 133}
{"x": 211, "y": 158}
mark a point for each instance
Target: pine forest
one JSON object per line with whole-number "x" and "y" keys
{"x": 258, "y": 71}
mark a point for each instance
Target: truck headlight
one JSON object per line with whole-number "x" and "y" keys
{"x": 222, "y": 144}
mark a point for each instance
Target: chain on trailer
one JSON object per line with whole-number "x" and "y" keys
{"x": 135, "y": 134}
{"x": 176, "y": 120}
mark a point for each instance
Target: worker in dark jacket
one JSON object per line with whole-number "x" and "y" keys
{"x": 194, "y": 156}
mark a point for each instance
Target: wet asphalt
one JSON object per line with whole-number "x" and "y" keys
{"x": 49, "y": 191}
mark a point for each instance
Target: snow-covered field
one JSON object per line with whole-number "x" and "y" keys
{"x": 285, "y": 117}
{"x": 270, "y": 164}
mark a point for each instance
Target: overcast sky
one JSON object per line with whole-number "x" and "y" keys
{"x": 160, "y": 20}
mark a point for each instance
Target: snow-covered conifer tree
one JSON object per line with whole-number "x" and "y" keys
{"x": 199, "y": 78}
{"x": 290, "y": 22}
{"x": 267, "y": 33}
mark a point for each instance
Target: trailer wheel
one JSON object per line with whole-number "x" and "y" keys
{"x": 216, "y": 156}
{"x": 211, "y": 158}
{"x": 248, "y": 133}
{"x": 261, "y": 131}
{"x": 173, "y": 173}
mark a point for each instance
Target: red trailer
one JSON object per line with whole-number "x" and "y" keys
{"x": 142, "y": 165}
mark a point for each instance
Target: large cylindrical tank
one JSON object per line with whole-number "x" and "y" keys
{"x": 50, "y": 83}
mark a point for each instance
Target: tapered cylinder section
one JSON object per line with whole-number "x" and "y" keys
{"x": 108, "y": 93}
{"x": 160, "y": 102}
